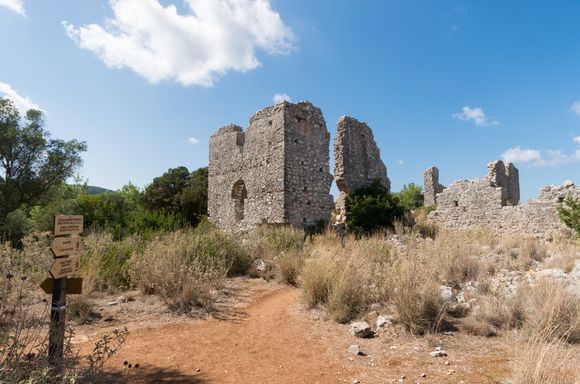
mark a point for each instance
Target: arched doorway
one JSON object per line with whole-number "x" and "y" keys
{"x": 239, "y": 194}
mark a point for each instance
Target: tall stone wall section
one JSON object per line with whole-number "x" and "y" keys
{"x": 431, "y": 186}
{"x": 488, "y": 202}
{"x": 505, "y": 176}
{"x": 357, "y": 159}
{"x": 276, "y": 172}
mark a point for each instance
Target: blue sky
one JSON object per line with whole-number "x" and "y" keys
{"x": 453, "y": 84}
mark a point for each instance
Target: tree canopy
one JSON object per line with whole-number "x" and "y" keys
{"x": 31, "y": 163}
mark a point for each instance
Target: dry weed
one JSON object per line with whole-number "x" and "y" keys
{"x": 544, "y": 360}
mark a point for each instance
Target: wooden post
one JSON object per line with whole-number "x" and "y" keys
{"x": 57, "y": 323}
{"x": 63, "y": 226}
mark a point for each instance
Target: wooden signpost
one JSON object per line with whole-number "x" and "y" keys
{"x": 66, "y": 229}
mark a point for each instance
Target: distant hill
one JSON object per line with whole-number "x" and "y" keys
{"x": 93, "y": 190}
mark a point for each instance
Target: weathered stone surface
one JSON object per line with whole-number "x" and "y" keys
{"x": 357, "y": 159}
{"x": 361, "y": 329}
{"x": 354, "y": 349}
{"x": 489, "y": 202}
{"x": 431, "y": 186}
{"x": 507, "y": 178}
{"x": 275, "y": 172}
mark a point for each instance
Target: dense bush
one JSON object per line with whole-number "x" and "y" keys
{"x": 372, "y": 208}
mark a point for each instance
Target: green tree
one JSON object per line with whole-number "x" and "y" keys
{"x": 411, "y": 196}
{"x": 31, "y": 163}
{"x": 372, "y": 208}
{"x": 178, "y": 192}
{"x": 569, "y": 212}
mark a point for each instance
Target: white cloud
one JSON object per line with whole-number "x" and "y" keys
{"x": 522, "y": 156}
{"x": 401, "y": 162}
{"x": 476, "y": 114}
{"x": 192, "y": 140}
{"x": 14, "y": 5}
{"x": 196, "y": 48}
{"x": 576, "y": 107}
{"x": 541, "y": 158}
{"x": 23, "y": 103}
{"x": 280, "y": 97}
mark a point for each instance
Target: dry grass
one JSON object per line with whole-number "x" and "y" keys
{"x": 187, "y": 267}
{"x": 544, "y": 360}
{"x": 345, "y": 280}
{"x": 492, "y": 314}
{"x": 553, "y": 311}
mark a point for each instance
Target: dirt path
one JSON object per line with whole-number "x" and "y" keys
{"x": 262, "y": 343}
{"x": 270, "y": 338}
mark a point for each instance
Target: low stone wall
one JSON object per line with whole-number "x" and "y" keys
{"x": 480, "y": 203}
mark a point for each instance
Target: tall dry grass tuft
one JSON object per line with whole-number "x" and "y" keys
{"x": 187, "y": 267}
{"x": 553, "y": 311}
{"x": 345, "y": 280}
{"x": 494, "y": 313}
{"x": 544, "y": 360}
{"x": 521, "y": 252}
{"x": 415, "y": 295}
{"x": 282, "y": 251}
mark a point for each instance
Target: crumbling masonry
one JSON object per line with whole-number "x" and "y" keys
{"x": 431, "y": 186}
{"x": 493, "y": 202}
{"x": 357, "y": 159}
{"x": 275, "y": 172}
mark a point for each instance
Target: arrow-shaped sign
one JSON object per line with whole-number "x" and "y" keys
{"x": 74, "y": 285}
{"x": 65, "y": 266}
{"x": 65, "y": 246}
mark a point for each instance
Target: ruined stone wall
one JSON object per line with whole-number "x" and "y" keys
{"x": 259, "y": 176}
{"x": 431, "y": 186}
{"x": 505, "y": 176}
{"x": 357, "y": 159}
{"x": 483, "y": 203}
{"x": 307, "y": 179}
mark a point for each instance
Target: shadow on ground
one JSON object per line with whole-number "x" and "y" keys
{"x": 149, "y": 375}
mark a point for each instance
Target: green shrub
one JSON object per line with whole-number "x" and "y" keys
{"x": 569, "y": 212}
{"x": 372, "y": 208}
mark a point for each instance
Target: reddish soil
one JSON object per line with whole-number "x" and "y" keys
{"x": 269, "y": 338}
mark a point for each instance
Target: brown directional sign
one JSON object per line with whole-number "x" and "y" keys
{"x": 65, "y": 266}
{"x": 68, "y": 225}
{"x": 74, "y": 285}
{"x": 64, "y": 246}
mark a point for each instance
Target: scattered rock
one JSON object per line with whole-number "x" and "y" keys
{"x": 354, "y": 350}
{"x": 383, "y": 321}
{"x": 260, "y": 265}
{"x": 375, "y": 306}
{"x": 361, "y": 329}
{"x": 438, "y": 353}
{"x": 423, "y": 374}
{"x": 446, "y": 294}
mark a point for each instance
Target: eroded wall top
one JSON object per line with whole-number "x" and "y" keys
{"x": 357, "y": 158}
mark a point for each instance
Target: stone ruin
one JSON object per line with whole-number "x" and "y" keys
{"x": 493, "y": 201}
{"x": 431, "y": 186}
{"x": 357, "y": 159}
{"x": 277, "y": 171}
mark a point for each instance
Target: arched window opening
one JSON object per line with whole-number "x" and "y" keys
{"x": 239, "y": 194}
